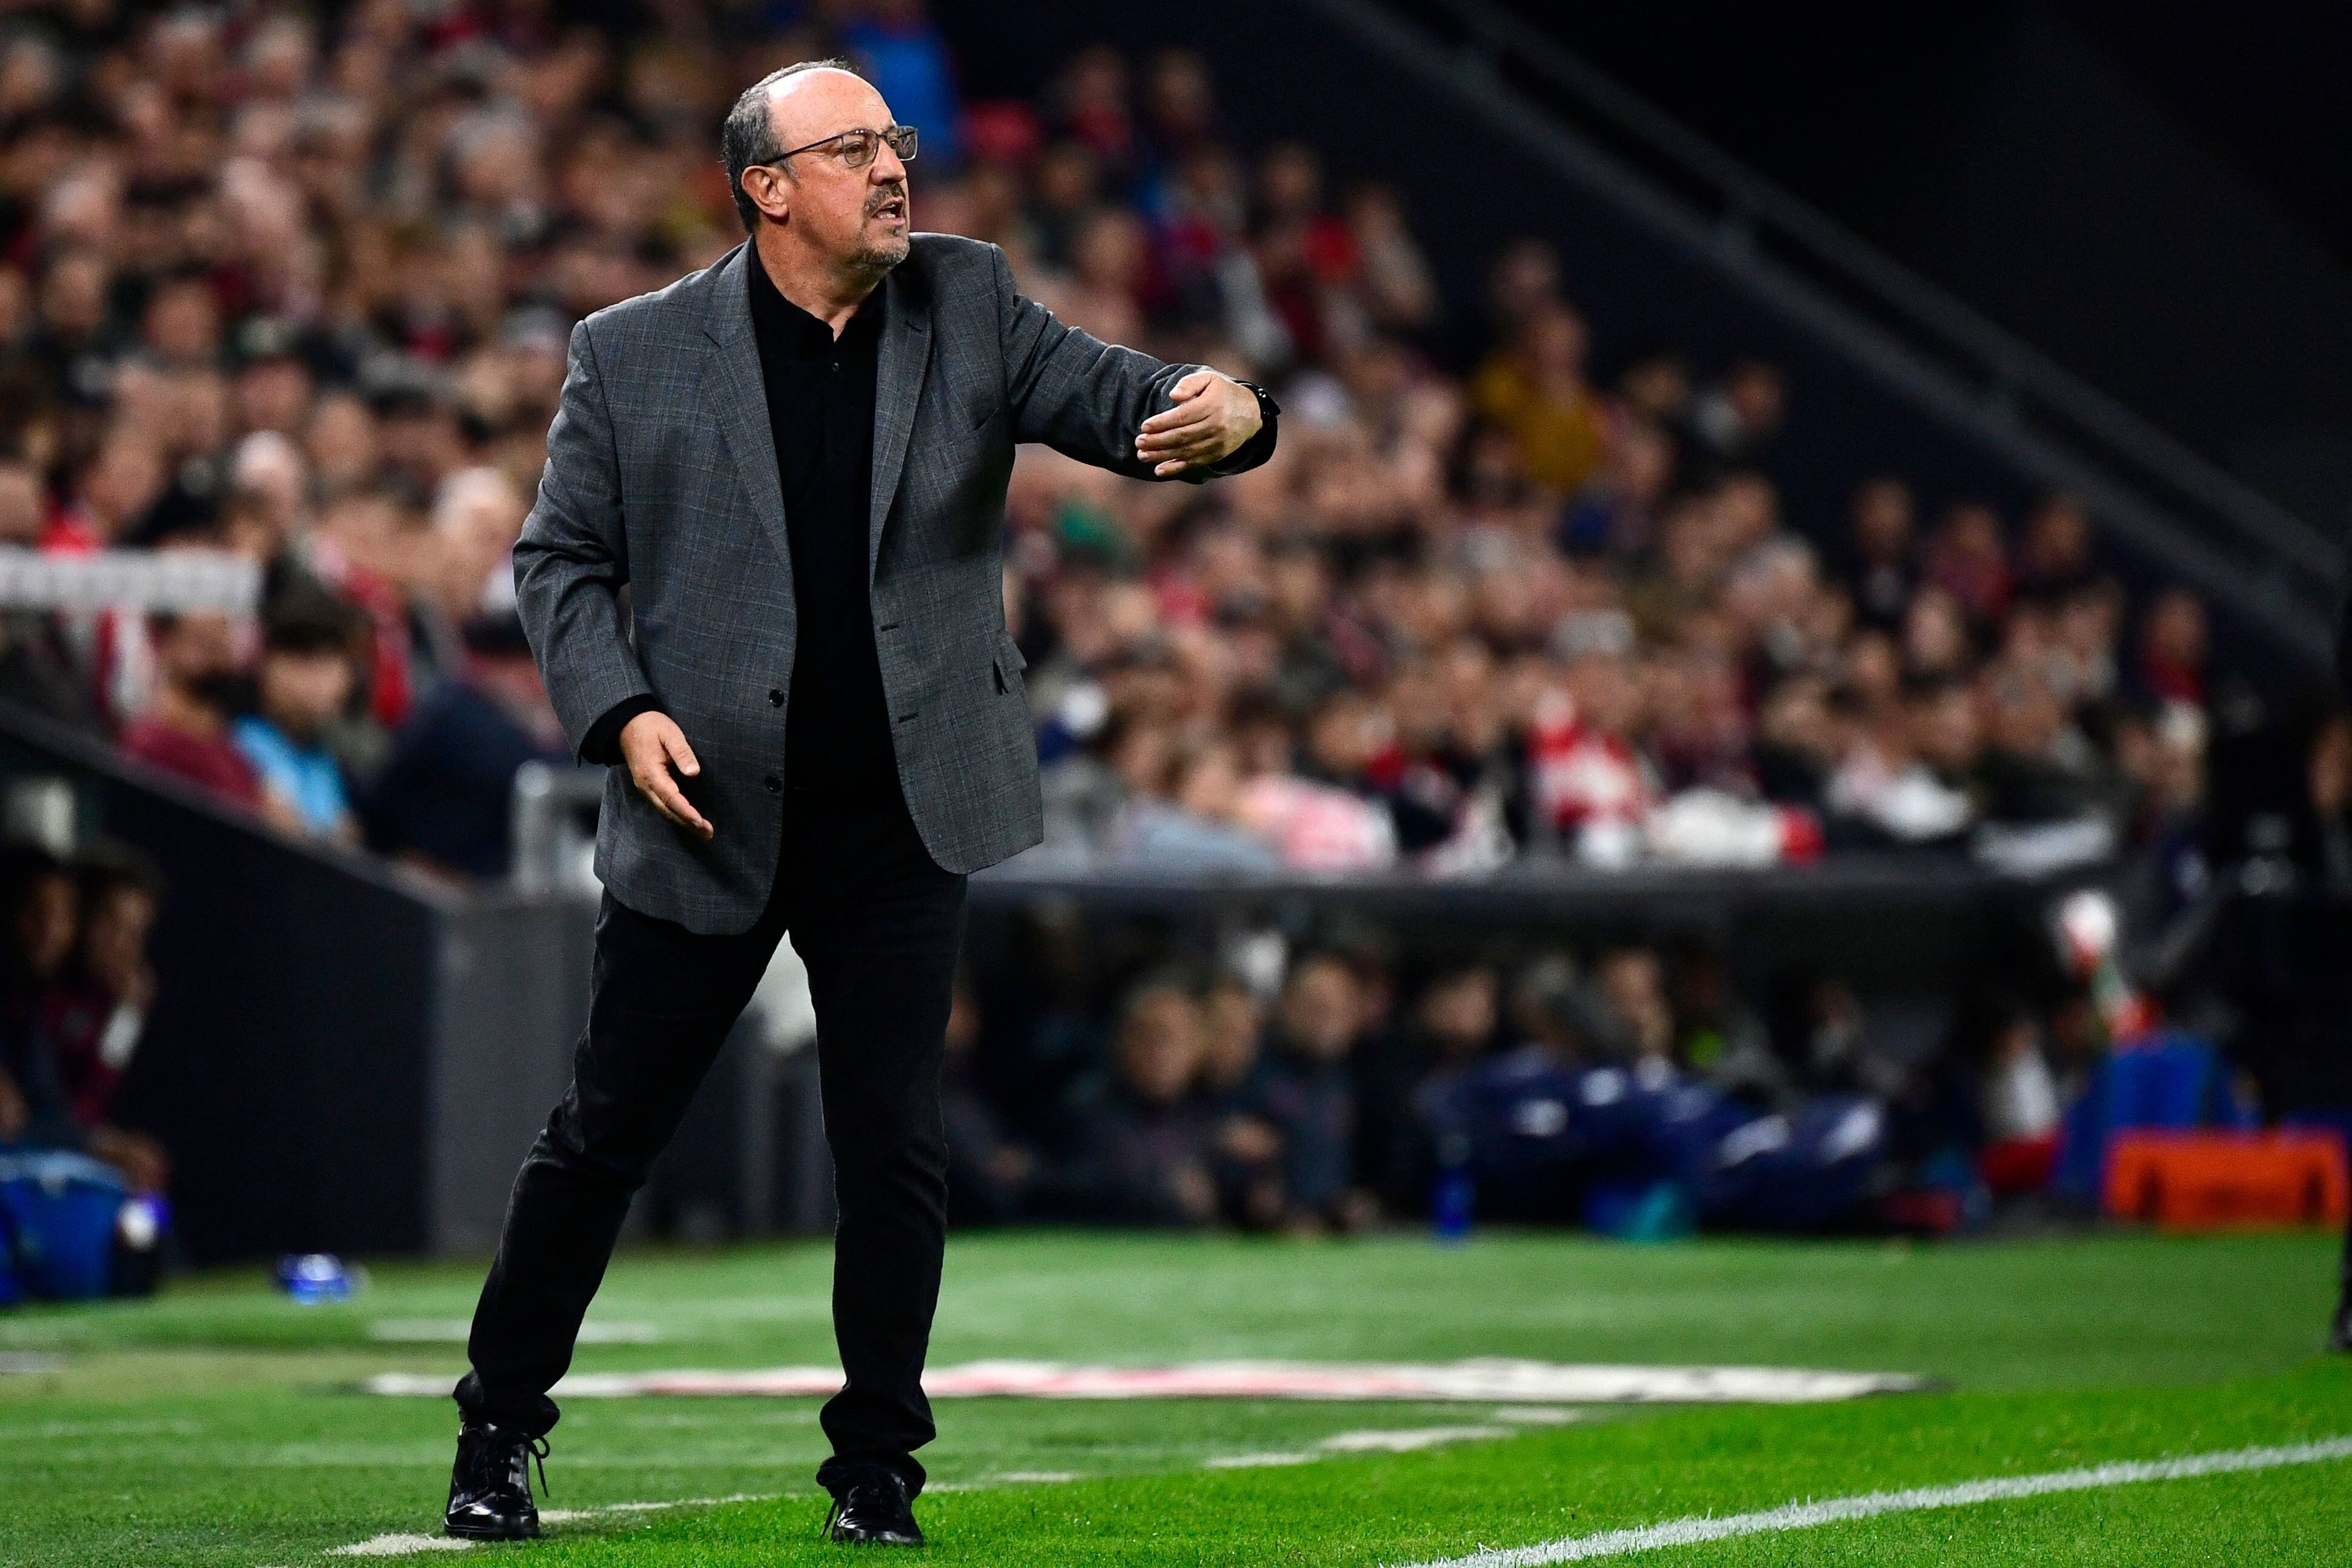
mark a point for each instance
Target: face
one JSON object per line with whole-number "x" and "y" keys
{"x": 302, "y": 691}
{"x": 1459, "y": 1010}
{"x": 1606, "y": 696}
{"x": 1210, "y": 785}
{"x": 1634, "y": 983}
{"x": 1344, "y": 735}
{"x": 123, "y": 480}
{"x": 20, "y": 504}
{"x": 858, "y": 219}
{"x": 1229, "y": 1031}
{"x": 45, "y": 923}
{"x": 2176, "y": 629}
{"x": 199, "y": 645}
{"x": 1320, "y": 1011}
{"x": 1945, "y": 728}
{"x": 115, "y": 939}
{"x": 1882, "y": 519}
{"x": 1160, "y": 1046}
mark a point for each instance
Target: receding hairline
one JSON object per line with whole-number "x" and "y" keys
{"x": 782, "y": 86}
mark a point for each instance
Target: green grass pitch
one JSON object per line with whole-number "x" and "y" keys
{"x": 221, "y": 1424}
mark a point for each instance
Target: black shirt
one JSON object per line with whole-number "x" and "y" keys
{"x": 821, "y": 419}
{"x": 821, "y": 414}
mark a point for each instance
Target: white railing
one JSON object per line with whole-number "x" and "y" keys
{"x": 185, "y": 581}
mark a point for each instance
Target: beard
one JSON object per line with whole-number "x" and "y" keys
{"x": 878, "y": 258}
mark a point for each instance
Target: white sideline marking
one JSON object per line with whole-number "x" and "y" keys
{"x": 454, "y": 1331}
{"x": 1482, "y": 1380}
{"x": 1836, "y": 1511}
{"x": 405, "y": 1545}
{"x": 1407, "y": 1440}
{"x": 400, "y": 1546}
{"x": 1381, "y": 1440}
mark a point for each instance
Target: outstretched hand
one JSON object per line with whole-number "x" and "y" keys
{"x": 652, "y": 743}
{"x": 1213, "y": 415}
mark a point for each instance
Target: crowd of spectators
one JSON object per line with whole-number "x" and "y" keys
{"x": 299, "y": 288}
{"x": 1333, "y": 1086}
{"x": 75, "y": 989}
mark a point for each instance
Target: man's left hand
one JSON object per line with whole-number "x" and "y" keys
{"x": 1212, "y": 417}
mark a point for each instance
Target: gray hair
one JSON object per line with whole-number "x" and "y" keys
{"x": 749, "y": 136}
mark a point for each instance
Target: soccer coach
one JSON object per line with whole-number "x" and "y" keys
{"x": 794, "y": 461}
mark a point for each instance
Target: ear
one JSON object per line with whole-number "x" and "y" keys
{"x": 770, "y": 196}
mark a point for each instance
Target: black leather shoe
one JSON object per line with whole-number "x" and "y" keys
{"x": 489, "y": 1486}
{"x": 872, "y": 1509}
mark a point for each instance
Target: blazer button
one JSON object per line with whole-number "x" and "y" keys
{"x": 775, "y": 783}
{"x": 775, "y": 698}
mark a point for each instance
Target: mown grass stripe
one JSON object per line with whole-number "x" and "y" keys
{"x": 1870, "y": 1505}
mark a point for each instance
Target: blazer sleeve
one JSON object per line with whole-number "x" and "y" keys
{"x": 573, "y": 559}
{"x": 1086, "y": 398}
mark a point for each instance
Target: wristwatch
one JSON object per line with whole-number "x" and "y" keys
{"x": 1267, "y": 407}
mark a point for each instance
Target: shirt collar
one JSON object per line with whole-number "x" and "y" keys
{"x": 795, "y": 328}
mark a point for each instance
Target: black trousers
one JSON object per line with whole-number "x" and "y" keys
{"x": 878, "y": 922}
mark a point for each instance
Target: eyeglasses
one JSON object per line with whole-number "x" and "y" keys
{"x": 856, "y": 149}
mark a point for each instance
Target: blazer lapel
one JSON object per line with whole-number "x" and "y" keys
{"x": 904, "y": 352}
{"x": 737, "y": 394}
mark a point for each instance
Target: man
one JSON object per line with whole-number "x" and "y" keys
{"x": 796, "y": 461}
{"x": 186, "y": 729}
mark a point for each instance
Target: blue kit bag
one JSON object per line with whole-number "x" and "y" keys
{"x": 59, "y": 1212}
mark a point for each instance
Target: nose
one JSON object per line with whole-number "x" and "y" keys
{"x": 887, "y": 168}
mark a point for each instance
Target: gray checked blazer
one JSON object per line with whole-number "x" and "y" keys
{"x": 661, "y": 479}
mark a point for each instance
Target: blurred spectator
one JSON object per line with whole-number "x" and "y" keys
{"x": 2020, "y": 1105}
{"x": 1400, "y": 1070}
{"x": 304, "y": 682}
{"x": 1248, "y": 1147}
{"x": 1146, "y": 1156}
{"x": 186, "y": 729}
{"x": 1592, "y": 784}
{"x": 445, "y": 800}
{"x": 992, "y": 1177}
{"x": 2172, "y": 649}
{"x": 2055, "y": 557}
{"x": 41, "y": 905}
{"x": 1198, "y": 825}
{"x": 96, "y": 1010}
{"x": 1306, "y": 1093}
{"x": 1878, "y": 565}
{"x": 1967, "y": 559}
{"x": 1641, "y": 1021}
{"x": 1536, "y": 391}
{"x": 1734, "y": 421}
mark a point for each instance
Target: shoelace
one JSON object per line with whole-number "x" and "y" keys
{"x": 538, "y": 1449}
{"x": 531, "y": 1449}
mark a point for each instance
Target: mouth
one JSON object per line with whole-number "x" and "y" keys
{"x": 891, "y": 210}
